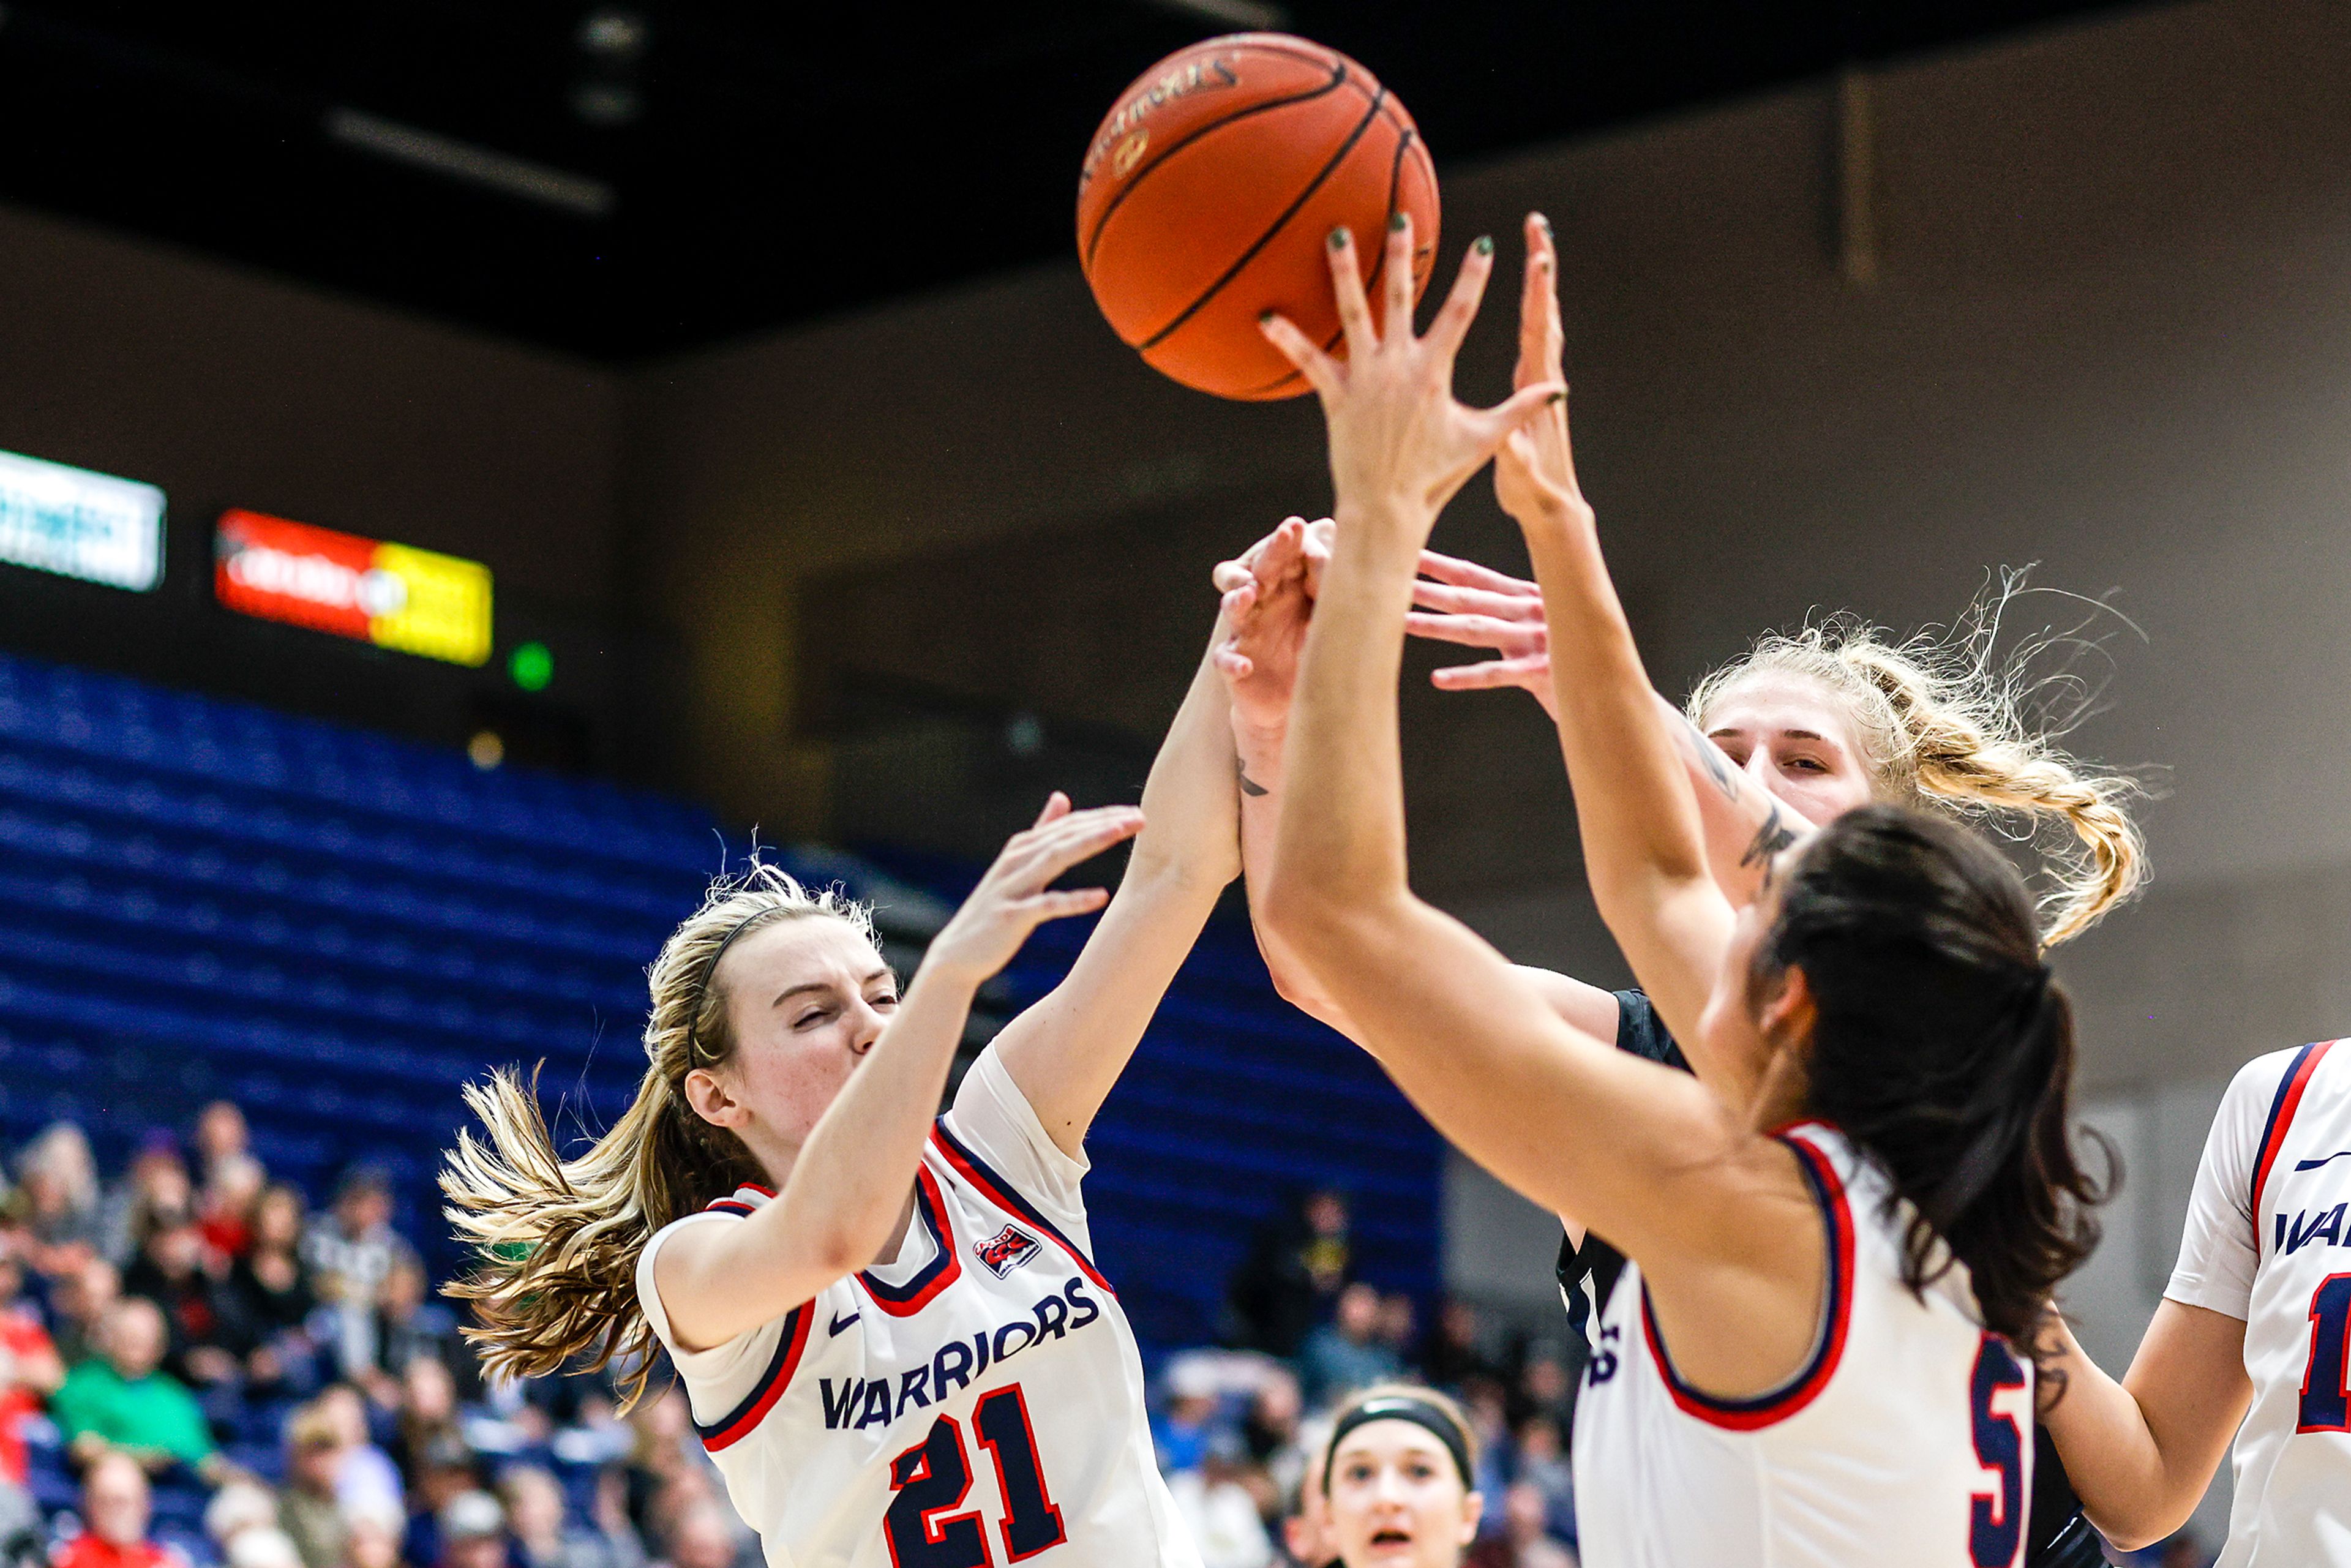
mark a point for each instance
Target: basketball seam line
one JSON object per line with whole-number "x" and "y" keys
{"x": 1094, "y": 240}
{"x": 1266, "y": 239}
{"x": 1396, "y": 188}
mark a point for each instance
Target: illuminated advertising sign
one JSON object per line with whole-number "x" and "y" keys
{"x": 391, "y": 595}
{"x": 79, "y": 524}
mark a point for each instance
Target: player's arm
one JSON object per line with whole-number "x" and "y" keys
{"x": 1657, "y": 1161}
{"x": 1462, "y": 602}
{"x": 847, "y": 1195}
{"x": 2141, "y": 1451}
{"x": 1066, "y": 1052}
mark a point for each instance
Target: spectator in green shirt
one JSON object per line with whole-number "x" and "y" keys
{"x": 120, "y": 1399}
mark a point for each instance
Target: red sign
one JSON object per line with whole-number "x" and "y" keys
{"x": 395, "y": 596}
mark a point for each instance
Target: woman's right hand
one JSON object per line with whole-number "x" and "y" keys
{"x": 1269, "y": 599}
{"x": 1015, "y": 898}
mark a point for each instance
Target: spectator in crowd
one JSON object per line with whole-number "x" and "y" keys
{"x": 1293, "y": 1273}
{"x": 115, "y": 1506}
{"x": 445, "y": 1471}
{"x": 427, "y": 1399}
{"x": 264, "y": 1549}
{"x": 372, "y": 1539}
{"x": 473, "y": 1531}
{"x": 1216, "y": 1500}
{"x": 706, "y": 1535}
{"x": 220, "y": 1137}
{"x": 1399, "y": 1328}
{"x": 1272, "y": 1431}
{"x": 124, "y": 1400}
{"x": 308, "y": 1505}
{"x": 1542, "y": 1463}
{"x": 350, "y": 1249}
{"x": 409, "y": 1325}
{"x": 544, "y": 1539}
{"x": 1546, "y": 1386}
{"x": 232, "y": 1190}
{"x": 1486, "y": 1408}
{"x": 30, "y": 1370}
{"x": 365, "y": 1475}
{"x": 265, "y": 1299}
{"x": 1306, "y": 1530}
{"x": 171, "y": 1272}
{"x": 1346, "y": 1354}
{"x": 1454, "y": 1353}
{"x": 1523, "y": 1541}
{"x": 1182, "y": 1433}
{"x": 57, "y": 1197}
{"x": 153, "y": 1192}
{"x": 238, "y": 1507}
{"x": 78, "y": 1303}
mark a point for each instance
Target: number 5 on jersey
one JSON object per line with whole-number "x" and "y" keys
{"x": 932, "y": 1478}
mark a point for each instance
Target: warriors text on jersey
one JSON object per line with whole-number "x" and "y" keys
{"x": 976, "y": 1401}
{"x": 2266, "y": 1242}
{"x": 1906, "y": 1437}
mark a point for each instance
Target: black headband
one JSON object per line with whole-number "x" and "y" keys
{"x": 710, "y": 969}
{"x": 1421, "y": 1413}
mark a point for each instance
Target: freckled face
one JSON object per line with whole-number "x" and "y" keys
{"x": 1791, "y": 737}
{"x": 806, "y": 998}
{"x": 1396, "y": 1501}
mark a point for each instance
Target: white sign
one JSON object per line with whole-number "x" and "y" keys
{"x": 80, "y": 524}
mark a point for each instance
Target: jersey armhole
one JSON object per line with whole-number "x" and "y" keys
{"x": 1770, "y": 1408}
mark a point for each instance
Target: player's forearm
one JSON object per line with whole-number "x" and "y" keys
{"x": 1260, "y": 752}
{"x": 2130, "y": 1489}
{"x": 1634, "y": 801}
{"x": 1339, "y": 849}
{"x": 1191, "y": 834}
{"x": 847, "y": 1187}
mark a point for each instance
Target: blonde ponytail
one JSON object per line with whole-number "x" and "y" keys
{"x": 559, "y": 1240}
{"x": 1944, "y": 726}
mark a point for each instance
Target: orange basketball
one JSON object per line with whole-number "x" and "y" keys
{"x": 1208, "y": 195}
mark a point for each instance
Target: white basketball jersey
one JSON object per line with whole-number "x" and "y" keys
{"x": 978, "y": 1401}
{"x": 1906, "y": 1438}
{"x": 2266, "y": 1241}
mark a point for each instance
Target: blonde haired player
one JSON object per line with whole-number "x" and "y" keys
{"x": 898, "y": 1348}
{"x": 2252, "y": 1339}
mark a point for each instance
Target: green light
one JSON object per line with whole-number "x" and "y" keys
{"x": 532, "y": 666}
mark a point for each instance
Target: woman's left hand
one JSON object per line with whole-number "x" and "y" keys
{"x": 1399, "y": 438}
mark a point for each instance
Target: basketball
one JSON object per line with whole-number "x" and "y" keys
{"x": 1209, "y": 192}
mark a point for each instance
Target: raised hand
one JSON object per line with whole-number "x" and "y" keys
{"x": 1478, "y": 607}
{"x": 1268, "y": 598}
{"x": 1398, "y": 435}
{"x": 1013, "y": 899}
{"x": 1534, "y": 471}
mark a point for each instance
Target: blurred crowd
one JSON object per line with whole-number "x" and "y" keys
{"x": 195, "y": 1368}
{"x": 1240, "y": 1427}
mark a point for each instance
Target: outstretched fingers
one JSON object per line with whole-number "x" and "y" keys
{"x": 1452, "y": 324}
{"x": 1347, "y": 283}
{"x": 1448, "y": 600}
{"x": 1398, "y": 285}
{"x": 1513, "y": 637}
{"x": 1463, "y": 573}
{"x": 1541, "y": 341}
{"x": 1490, "y": 675}
{"x": 1321, "y": 370}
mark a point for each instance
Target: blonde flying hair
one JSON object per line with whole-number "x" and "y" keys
{"x": 1948, "y": 727}
{"x": 557, "y": 1239}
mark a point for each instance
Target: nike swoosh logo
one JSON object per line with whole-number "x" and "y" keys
{"x": 840, "y": 1323}
{"x": 2313, "y": 1165}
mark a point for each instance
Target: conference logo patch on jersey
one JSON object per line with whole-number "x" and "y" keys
{"x": 1007, "y": 1250}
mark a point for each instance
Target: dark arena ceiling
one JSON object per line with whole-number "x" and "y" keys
{"x": 627, "y": 178}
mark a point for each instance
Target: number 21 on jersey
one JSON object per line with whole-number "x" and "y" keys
{"x": 931, "y": 1479}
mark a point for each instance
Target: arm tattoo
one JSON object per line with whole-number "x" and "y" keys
{"x": 1710, "y": 758}
{"x": 1770, "y": 839}
{"x": 1249, "y": 786}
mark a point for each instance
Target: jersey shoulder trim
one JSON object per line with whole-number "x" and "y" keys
{"x": 738, "y": 1423}
{"x": 1001, "y": 1192}
{"x": 2282, "y": 1106}
{"x": 743, "y": 1200}
{"x": 1771, "y": 1408}
{"x": 945, "y": 1267}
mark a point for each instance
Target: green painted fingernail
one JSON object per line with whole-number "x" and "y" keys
{"x": 1263, "y": 316}
{"x": 1485, "y": 245}
{"x": 1396, "y": 220}
{"x": 1338, "y": 239}
{"x": 1558, "y": 397}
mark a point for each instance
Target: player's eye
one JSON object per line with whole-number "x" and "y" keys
{"x": 812, "y": 1017}
{"x": 887, "y": 999}
{"x": 1804, "y": 764}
